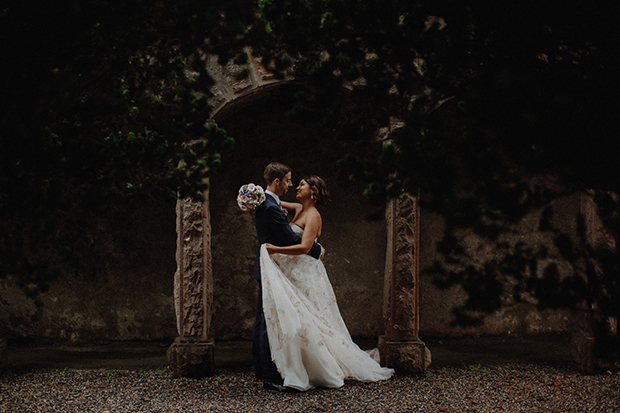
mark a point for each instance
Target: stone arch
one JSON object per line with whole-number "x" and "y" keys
{"x": 235, "y": 84}
{"x": 192, "y": 353}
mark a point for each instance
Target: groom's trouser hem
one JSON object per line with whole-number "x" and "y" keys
{"x": 264, "y": 367}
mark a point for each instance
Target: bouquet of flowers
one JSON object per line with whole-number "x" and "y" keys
{"x": 250, "y": 197}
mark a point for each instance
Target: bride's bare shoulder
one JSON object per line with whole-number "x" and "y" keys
{"x": 314, "y": 214}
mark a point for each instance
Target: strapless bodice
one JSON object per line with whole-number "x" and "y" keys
{"x": 297, "y": 229}
{"x": 300, "y": 231}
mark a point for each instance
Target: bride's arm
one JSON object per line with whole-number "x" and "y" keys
{"x": 294, "y": 207}
{"x": 311, "y": 230}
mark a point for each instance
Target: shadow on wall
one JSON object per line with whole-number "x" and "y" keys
{"x": 355, "y": 247}
{"x": 121, "y": 291}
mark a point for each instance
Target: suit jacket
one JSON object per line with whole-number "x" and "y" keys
{"x": 272, "y": 227}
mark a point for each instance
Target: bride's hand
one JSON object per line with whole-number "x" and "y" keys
{"x": 270, "y": 249}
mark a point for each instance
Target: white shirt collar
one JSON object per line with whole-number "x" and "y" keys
{"x": 273, "y": 195}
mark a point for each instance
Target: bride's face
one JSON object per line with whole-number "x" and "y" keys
{"x": 303, "y": 190}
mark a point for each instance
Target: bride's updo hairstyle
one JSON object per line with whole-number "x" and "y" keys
{"x": 319, "y": 189}
{"x": 275, "y": 170}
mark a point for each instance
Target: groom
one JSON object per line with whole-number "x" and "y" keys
{"x": 272, "y": 227}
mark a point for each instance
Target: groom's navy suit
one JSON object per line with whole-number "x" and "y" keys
{"x": 271, "y": 227}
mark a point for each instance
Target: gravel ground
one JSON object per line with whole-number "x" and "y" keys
{"x": 511, "y": 387}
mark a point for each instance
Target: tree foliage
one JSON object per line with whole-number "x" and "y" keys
{"x": 477, "y": 97}
{"x": 460, "y": 101}
{"x": 530, "y": 81}
{"x": 103, "y": 103}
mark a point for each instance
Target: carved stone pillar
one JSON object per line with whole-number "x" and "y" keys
{"x": 401, "y": 347}
{"x": 191, "y": 354}
{"x": 585, "y": 318}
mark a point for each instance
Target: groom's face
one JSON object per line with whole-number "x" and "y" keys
{"x": 285, "y": 184}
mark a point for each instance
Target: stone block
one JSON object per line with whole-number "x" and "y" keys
{"x": 581, "y": 347}
{"x": 584, "y": 340}
{"x": 404, "y": 356}
{"x": 191, "y": 359}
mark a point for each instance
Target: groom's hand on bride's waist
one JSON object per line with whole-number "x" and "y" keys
{"x": 322, "y": 252}
{"x": 269, "y": 248}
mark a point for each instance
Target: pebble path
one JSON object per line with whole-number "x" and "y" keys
{"x": 495, "y": 388}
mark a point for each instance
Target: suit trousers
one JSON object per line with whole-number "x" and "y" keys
{"x": 264, "y": 367}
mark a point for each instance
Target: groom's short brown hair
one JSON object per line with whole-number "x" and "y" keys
{"x": 275, "y": 170}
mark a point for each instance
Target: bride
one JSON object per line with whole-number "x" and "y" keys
{"x": 309, "y": 341}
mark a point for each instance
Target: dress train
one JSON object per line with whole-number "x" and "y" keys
{"x": 309, "y": 341}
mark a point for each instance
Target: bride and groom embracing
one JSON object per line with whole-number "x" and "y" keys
{"x": 300, "y": 340}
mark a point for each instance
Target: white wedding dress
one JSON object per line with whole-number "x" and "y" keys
{"x": 309, "y": 342}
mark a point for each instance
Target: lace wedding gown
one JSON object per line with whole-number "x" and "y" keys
{"x": 309, "y": 342}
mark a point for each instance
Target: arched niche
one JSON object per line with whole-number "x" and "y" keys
{"x": 373, "y": 265}
{"x": 355, "y": 246}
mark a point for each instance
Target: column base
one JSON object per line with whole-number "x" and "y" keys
{"x": 404, "y": 356}
{"x": 584, "y": 340}
{"x": 193, "y": 359}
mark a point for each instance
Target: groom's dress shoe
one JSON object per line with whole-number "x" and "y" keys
{"x": 267, "y": 385}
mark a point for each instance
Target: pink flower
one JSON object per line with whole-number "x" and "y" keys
{"x": 250, "y": 197}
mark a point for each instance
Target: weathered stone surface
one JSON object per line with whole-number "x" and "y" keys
{"x": 583, "y": 337}
{"x": 401, "y": 348}
{"x": 400, "y": 301}
{"x": 356, "y": 246}
{"x": 127, "y": 281}
{"x": 404, "y": 356}
{"x": 193, "y": 291}
{"x": 191, "y": 355}
{"x": 191, "y": 359}
{"x": 516, "y": 317}
{"x": 121, "y": 291}
{"x": 233, "y": 81}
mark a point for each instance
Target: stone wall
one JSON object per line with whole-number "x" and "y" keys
{"x": 125, "y": 289}
{"x": 122, "y": 291}
{"x": 355, "y": 247}
{"x": 522, "y": 318}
